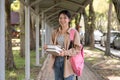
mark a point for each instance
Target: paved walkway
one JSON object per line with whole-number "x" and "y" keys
{"x": 87, "y": 73}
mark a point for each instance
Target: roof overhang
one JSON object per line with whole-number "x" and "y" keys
{"x": 51, "y": 8}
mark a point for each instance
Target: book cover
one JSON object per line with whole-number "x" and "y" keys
{"x": 56, "y": 47}
{"x": 53, "y": 49}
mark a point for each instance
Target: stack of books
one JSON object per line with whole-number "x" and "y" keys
{"x": 53, "y": 49}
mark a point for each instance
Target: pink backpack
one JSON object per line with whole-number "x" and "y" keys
{"x": 77, "y": 61}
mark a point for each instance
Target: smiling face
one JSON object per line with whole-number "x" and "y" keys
{"x": 64, "y": 20}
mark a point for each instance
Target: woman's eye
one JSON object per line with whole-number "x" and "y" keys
{"x": 63, "y": 18}
{"x": 60, "y": 17}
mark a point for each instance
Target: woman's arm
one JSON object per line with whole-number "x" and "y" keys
{"x": 76, "y": 46}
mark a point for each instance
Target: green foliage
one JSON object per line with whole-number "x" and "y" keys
{"x": 73, "y": 23}
{"x": 101, "y": 12}
{"x": 109, "y": 1}
{"x": 15, "y": 6}
{"x": 100, "y": 6}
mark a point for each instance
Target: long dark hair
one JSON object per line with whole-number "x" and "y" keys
{"x": 65, "y": 12}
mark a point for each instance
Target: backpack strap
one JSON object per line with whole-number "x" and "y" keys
{"x": 72, "y": 33}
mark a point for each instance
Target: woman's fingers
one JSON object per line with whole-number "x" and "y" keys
{"x": 45, "y": 47}
{"x": 61, "y": 53}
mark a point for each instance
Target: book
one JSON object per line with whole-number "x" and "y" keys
{"x": 53, "y": 49}
{"x": 56, "y": 47}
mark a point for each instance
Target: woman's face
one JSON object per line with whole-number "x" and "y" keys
{"x": 64, "y": 20}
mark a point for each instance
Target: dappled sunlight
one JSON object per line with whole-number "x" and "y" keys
{"x": 113, "y": 61}
{"x": 92, "y": 55}
{"x": 15, "y": 48}
{"x": 110, "y": 64}
{"x": 114, "y": 77}
{"x": 12, "y": 75}
{"x": 90, "y": 59}
{"x": 105, "y": 66}
{"x": 110, "y": 67}
{"x": 15, "y": 42}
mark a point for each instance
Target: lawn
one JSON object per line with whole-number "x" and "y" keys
{"x": 19, "y": 73}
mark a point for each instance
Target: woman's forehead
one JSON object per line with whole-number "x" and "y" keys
{"x": 63, "y": 15}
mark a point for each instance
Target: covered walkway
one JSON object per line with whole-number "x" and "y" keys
{"x": 45, "y": 12}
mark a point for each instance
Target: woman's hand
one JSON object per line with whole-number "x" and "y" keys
{"x": 62, "y": 53}
{"x": 45, "y": 47}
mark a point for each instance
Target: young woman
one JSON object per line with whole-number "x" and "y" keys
{"x": 61, "y": 36}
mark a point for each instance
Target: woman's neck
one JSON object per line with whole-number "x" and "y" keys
{"x": 64, "y": 29}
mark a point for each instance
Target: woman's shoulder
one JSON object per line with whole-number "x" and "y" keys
{"x": 73, "y": 29}
{"x": 55, "y": 30}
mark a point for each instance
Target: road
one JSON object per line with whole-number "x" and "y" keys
{"x": 113, "y": 51}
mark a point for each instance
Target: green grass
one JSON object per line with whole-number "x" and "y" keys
{"x": 19, "y": 73}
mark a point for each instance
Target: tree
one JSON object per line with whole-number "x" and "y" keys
{"x": 92, "y": 24}
{"x": 8, "y": 39}
{"x": 22, "y": 30}
{"x": 117, "y": 8}
{"x": 89, "y": 25}
{"x": 77, "y": 20}
{"x": 32, "y": 32}
{"x": 107, "y": 52}
{"x": 86, "y": 27}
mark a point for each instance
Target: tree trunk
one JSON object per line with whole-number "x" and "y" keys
{"x": 22, "y": 30}
{"x": 107, "y": 52}
{"x": 89, "y": 26}
{"x": 9, "y": 55}
{"x": 86, "y": 28}
{"x": 92, "y": 24}
{"x": 32, "y": 33}
{"x": 117, "y": 8}
{"x": 77, "y": 21}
